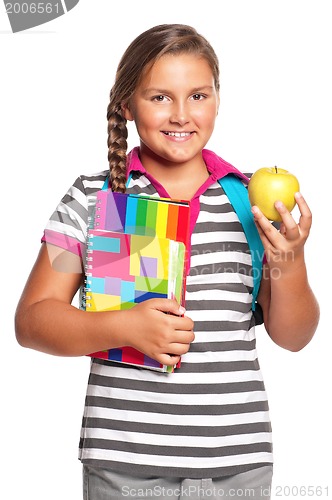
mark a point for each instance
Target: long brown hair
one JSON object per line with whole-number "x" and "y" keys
{"x": 146, "y": 49}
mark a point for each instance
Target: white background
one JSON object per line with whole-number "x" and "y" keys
{"x": 276, "y": 108}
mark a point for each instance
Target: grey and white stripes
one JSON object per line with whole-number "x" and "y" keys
{"x": 210, "y": 417}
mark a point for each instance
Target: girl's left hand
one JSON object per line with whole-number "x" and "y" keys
{"x": 285, "y": 246}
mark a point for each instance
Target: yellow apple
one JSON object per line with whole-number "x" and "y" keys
{"x": 270, "y": 184}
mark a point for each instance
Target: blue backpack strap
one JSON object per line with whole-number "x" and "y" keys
{"x": 107, "y": 181}
{"x": 237, "y": 194}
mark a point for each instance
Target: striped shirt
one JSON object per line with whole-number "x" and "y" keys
{"x": 210, "y": 417}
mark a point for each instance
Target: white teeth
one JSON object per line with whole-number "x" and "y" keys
{"x": 178, "y": 134}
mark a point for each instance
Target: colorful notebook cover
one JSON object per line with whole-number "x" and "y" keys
{"x": 137, "y": 249}
{"x": 145, "y": 215}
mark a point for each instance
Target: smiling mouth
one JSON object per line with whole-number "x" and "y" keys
{"x": 177, "y": 134}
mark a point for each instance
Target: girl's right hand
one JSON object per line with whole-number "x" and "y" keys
{"x": 158, "y": 328}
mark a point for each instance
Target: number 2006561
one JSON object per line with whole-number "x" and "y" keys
{"x": 301, "y": 491}
{"x": 31, "y": 8}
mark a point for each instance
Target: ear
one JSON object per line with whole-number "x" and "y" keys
{"x": 218, "y": 104}
{"x": 127, "y": 114}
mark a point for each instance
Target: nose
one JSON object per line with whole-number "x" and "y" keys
{"x": 179, "y": 114}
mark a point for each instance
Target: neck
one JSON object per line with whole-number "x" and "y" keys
{"x": 180, "y": 180}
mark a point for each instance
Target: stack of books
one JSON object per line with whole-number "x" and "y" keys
{"x": 136, "y": 250}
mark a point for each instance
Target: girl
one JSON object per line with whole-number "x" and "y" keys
{"x": 204, "y": 429}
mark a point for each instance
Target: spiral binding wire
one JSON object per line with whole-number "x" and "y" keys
{"x": 86, "y": 289}
{"x": 93, "y": 223}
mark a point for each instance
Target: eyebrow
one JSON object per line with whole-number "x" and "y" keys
{"x": 165, "y": 91}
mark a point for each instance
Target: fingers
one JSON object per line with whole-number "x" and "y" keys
{"x": 174, "y": 322}
{"x": 289, "y": 228}
{"x": 163, "y": 334}
{"x": 177, "y": 349}
{"x": 306, "y": 215}
{"x": 266, "y": 230}
{"x": 176, "y": 313}
{"x": 179, "y": 334}
{"x": 169, "y": 359}
{"x": 167, "y": 306}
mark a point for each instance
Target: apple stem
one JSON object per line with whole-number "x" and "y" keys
{"x": 276, "y": 169}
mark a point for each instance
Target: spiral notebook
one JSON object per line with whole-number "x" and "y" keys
{"x": 136, "y": 250}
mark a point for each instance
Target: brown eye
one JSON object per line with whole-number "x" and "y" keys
{"x": 158, "y": 98}
{"x": 198, "y": 97}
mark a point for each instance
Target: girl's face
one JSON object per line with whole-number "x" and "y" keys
{"x": 174, "y": 108}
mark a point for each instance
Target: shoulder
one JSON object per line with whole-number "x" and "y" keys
{"x": 84, "y": 186}
{"x": 70, "y": 219}
{"x": 219, "y": 167}
{"x": 90, "y": 183}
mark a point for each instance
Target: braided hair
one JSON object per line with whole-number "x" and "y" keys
{"x": 141, "y": 54}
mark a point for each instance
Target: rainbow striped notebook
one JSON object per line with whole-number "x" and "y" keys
{"x": 145, "y": 215}
{"x": 136, "y": 250}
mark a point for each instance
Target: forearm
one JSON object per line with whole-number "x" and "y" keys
{"x": 293, "y": 312}
{"x": 57, "y": 328}
{"x": 46, "y": 321}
